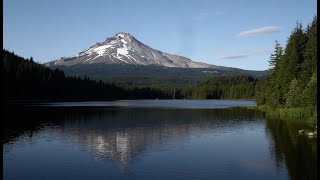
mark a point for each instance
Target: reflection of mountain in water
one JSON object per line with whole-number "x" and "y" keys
{"x": 121, "y": 134}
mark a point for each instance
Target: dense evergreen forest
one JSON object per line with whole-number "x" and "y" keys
{"x": 27, "y": 80}
{"x": 236, "y": 87}
{"x": 151, "y": 75}
{"x": 293, "y": 78}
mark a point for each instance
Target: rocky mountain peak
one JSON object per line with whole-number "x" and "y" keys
{"x": 123, "y": 34}
{"x": 123, "y": 48}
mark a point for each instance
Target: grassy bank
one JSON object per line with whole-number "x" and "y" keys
{"x": 304, "y": 113}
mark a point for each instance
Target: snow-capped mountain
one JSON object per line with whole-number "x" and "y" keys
{"x": 123, "y": 48}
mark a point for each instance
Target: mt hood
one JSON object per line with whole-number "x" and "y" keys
{"x": 123, "y": 48}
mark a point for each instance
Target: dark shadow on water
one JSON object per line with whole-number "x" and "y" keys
{"x": 297, "y": 150}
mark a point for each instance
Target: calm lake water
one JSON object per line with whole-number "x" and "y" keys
{"x": 154, "y": 139}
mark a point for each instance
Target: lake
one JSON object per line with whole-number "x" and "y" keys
{"x": 154, "y": 139}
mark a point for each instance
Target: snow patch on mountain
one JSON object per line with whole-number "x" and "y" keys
{"x": 100, "y": 50}
{"x": 122, "y": 51}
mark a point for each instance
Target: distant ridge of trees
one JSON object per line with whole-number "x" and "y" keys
{"x": 226, "y": 87}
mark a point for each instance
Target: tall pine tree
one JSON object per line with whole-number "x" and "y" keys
{"x": 309, "y": 66}
{"x": 290, "y": 66}
{"x": 275, "y": 95}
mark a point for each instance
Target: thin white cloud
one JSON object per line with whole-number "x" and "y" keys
{"x": 200, "y": 16}
{"x": 219, "y": 13}
{"x": 204, "y": 15}
{"x": 259, "y": 31}
{"x": 244, "y": 54}
{"x": 232, "y": 56}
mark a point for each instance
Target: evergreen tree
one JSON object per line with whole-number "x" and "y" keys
{"x": 274, "y": 58}
{"x": 309, "y": 66}
{"x": 309, "y": 95}
{"x": 273, "y": 85}
{"x": 292, "y": 80}
{"x": 290, "y": 66}
{"x": 293, "y": 96}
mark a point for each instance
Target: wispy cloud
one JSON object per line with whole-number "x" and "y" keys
{"x": 204, "y": 15}
{"x": 259, "y": 31}
{"x": 245, "y": 54}
{"x": 200, "y": 16}
{"x": 219, "y": 13}
{"x": 232, "y": 56}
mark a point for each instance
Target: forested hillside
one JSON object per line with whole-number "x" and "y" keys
{"x": 293, "y": 78}
{"x": 234, "y": 87}
{"x": 152, "y": 75}
{"x": 25, "y": 79}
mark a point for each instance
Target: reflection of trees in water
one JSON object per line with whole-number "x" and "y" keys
{"x": 298, "y": 152}
{"x": 19, "y": 120}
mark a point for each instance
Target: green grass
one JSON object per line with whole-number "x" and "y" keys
{"x": 299, "y": 112}
{"x": 308, "y": 114}
{"x": 263, "y": 108}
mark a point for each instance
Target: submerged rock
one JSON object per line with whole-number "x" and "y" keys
{"x": 311, "y": 134}
{"x": 301, "y": 131}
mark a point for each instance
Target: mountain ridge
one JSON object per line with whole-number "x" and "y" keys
{"x": 124, "y": 59}
{"x": 123, "y": 48}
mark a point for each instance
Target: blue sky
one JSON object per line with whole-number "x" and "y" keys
{"x": 233, "y": 33}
